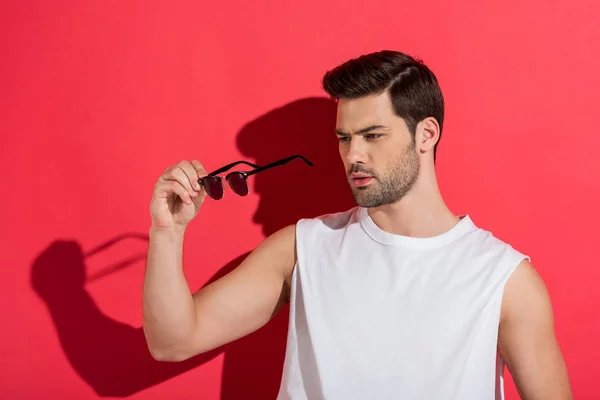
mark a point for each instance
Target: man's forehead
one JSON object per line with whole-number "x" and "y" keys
{"x": 356, "y": 114}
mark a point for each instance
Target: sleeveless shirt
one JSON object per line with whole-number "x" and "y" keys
{"x": 375, "y": 315}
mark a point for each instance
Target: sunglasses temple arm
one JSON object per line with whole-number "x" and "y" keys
{"x": 277, "y": 163}
{"x": 233, "y": 164}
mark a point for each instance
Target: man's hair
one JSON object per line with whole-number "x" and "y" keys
{"x": 413, "y": 88}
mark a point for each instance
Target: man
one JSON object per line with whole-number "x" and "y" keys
{"x": 395, "y": 298}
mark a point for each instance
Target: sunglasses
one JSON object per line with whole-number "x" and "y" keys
{"x": 238, "y": 180}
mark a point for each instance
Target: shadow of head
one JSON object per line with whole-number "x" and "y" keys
{"x": 61, "y": 268}
{"x": 296, "y": 190}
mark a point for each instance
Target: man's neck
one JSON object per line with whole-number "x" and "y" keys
{"x": 421, "y": 213}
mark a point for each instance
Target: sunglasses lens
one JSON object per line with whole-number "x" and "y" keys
{"x": 213, "y": 187}
{"x": 237, "y": 182}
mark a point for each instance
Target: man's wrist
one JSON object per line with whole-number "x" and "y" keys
{"x": 171, "y": 231}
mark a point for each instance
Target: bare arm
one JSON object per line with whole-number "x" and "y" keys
{"x": 249, "y": 296}
{"x": 527, "y": 340}
{"x": 179, "y": 324}
{"x": 168, "y": 308}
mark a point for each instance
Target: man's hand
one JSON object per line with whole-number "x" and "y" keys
{"x": 527, "y": 340}
{"x": 177, "y": 196}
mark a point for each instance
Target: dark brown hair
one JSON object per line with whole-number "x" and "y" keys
{"x": 413, "y": 88}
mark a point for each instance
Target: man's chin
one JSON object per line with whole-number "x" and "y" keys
{"x": 362, "y": 200}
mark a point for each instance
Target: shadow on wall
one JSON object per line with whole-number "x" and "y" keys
{"x": 112, "y": 357}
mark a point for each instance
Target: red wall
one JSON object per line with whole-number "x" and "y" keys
{"x": 98, "y": 99}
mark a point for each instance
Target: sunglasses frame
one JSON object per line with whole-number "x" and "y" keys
{"x": 242, "y": 174}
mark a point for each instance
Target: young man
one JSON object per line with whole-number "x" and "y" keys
{"x": 395, "y": 298}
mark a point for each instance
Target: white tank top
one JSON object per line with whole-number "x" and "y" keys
{"x": 375, "y": 315}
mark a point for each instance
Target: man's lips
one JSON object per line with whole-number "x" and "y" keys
{"x": 358, "y": 179}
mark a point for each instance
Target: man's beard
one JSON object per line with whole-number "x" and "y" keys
{"x": 391, "y": 187}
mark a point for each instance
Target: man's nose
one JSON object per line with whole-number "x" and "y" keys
{"x": 356, "y": 151}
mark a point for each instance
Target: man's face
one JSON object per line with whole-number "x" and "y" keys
{"x": 377, "y": 149}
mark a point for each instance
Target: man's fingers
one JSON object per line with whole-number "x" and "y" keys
{"x": 166, "y": 189}
{"x": 191, "y": 175}
{"x": 177, "y": 174}
{"x": 200, "y": 171}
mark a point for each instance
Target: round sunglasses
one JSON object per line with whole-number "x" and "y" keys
{"x": 238, "y": 180}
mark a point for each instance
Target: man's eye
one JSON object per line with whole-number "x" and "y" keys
{"x": 344, "y": 139}
{"x": 372, "y": 136}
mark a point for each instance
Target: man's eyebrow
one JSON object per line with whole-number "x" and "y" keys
{"x": 364, "y": 130}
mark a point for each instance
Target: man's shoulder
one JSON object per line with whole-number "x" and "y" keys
{"x": 330, "y": 221}
{"x": 494, "y": 252}
{"x": 310, "y": 228}
{"x": 486, "y": 239}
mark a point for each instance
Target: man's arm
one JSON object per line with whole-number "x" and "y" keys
{"x": 527, "y": 340}
{"x": 179, "y": 325}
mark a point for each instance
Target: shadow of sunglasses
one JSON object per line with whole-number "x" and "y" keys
{"x": 238, "y": 180}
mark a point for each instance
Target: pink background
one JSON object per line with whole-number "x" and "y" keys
{"x": 97, "y": 99}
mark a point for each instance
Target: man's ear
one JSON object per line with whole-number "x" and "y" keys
{"x": 427, "y": 134}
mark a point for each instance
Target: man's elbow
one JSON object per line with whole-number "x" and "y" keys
{"x": 172, "y": 350}
{"x": 165, "y": 354}
{"x": 168, "y": 347}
